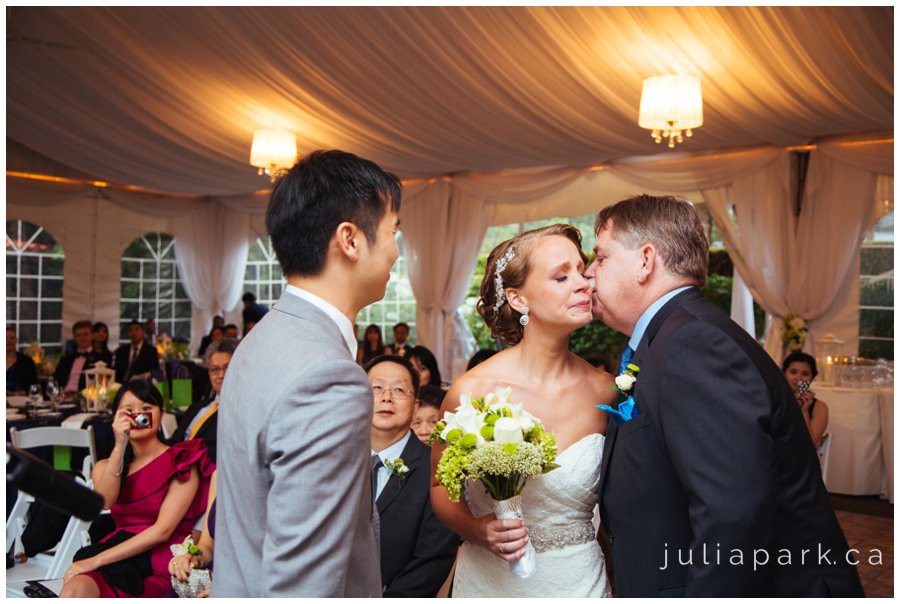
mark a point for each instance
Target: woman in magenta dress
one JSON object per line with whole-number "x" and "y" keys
{"x": 155, "y": 494}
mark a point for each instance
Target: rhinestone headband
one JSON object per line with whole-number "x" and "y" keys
{"x": 498, "y": 280}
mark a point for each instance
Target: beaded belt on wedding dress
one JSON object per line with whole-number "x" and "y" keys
{"x": 558, "y": 537}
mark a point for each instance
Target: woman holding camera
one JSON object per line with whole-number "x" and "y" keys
{"x": 155, "y": 494}
{"x": 800, "y": 370}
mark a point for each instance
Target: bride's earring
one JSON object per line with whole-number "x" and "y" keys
{"x": 523, "y": 320}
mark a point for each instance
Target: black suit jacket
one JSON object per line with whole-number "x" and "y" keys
{"x": 207, "y": 431}
{"x": 718, "y": 458}
{"x": 417, "y": 550}
{"x": 64, "y": 368}
{"x": 147, "y": 360}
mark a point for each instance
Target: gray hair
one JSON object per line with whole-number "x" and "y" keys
{"x": 225, "y": 345}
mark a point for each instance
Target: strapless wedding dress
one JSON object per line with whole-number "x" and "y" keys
{"x": 557, "y": 508}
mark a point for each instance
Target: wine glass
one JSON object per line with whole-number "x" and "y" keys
{"x": 53, "y": 391}
{"x": 34, "y": 393}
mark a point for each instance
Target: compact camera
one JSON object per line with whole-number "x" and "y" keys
{"x": 802, "y": 386}
{"x": 143, "y": 420}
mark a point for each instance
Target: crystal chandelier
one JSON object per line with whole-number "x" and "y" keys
{"x": 671, "y": 104}
{"x": 273, "y": 151}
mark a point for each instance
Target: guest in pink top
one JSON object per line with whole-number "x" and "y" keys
{"x": 155, "y": 494}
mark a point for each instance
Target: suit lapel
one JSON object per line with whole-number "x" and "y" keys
{"x": 296, "y": 306}
{"x": 410, "y": 456}
{"x": 652, "y": 329}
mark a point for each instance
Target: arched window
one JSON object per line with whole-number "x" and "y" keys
{"x": 398, "y": 305}
{"x": 263, "y": 273}
{"x": 34, "y": 285}
{"x": 876, "y": 291}
{"x": 151, "y": 287}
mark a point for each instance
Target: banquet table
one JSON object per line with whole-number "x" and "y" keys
{"x": 860, "y": 421}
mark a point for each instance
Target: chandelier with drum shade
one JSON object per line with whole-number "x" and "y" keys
{"x": 670, "y": 105}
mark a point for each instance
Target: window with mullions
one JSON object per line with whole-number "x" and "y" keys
{"x": 398, "y": 305}
{"x": 151, "y": 287}
{"x": 34, "y": 285}
{"x": 263, "y": 273}
{"x": 876, "y": 292}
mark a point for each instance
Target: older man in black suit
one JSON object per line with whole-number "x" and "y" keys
{"x": 201, "y": 418}
{"x": 710, "y": 484}
{"x": 417, "y": 550}
{"x": 136, "y": 358}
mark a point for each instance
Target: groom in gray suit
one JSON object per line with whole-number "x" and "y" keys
{"x": 295, "y": 514}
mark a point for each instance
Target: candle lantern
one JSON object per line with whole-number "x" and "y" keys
{"x": 828, "y": 356}
{"x": 97, "y": 383}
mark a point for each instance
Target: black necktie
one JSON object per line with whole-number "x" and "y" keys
{"x": 82, "y": 354}
{"x": 376, "y": 463}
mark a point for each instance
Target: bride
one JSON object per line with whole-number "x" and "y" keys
{"x": 534, "y": 295}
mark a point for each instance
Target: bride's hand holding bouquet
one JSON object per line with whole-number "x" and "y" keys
{"x": 501, "y": 445}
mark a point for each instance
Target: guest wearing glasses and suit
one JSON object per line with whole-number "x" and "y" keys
{"x": 201, "y": 418}
{"x": 417, "y": 550}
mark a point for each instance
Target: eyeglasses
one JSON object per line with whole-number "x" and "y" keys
{"x": 397, "y": 393}
{"x": 214, "y": 369}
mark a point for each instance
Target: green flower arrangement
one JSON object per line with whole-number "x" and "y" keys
{"x": 495, "y": 442}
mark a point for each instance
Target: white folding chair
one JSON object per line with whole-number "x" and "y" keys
{"x": 51, "y": 565}
{"x": 824, "y": 451}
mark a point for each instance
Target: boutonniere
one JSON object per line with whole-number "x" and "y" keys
{"x": 397, "y": 468}
{"x": 624, "y": 384}
{"x": 625, "y": 380}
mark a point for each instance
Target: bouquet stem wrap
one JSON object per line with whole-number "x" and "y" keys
{"x": 511, "y": 508}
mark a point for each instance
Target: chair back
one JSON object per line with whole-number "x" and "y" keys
{"x": 47, "y": 436}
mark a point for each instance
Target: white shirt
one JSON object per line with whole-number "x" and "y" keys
{"x": 337, "y": 316}
{"x": 389, "y": 455}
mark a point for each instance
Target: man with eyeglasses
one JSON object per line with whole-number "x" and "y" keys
{"x": 201, "y": 418}
{"x": 417, "y": 550}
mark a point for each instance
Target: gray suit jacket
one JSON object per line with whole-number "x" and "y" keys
{"x": 295, "y": 515}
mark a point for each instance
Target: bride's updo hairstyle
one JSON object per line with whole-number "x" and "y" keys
{"x": 493, "y": 305}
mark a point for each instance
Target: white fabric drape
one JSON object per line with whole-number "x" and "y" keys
{"x": 742, "y": 305}
{"x": 168, "y": 97}
{"x": 444, "y": 229}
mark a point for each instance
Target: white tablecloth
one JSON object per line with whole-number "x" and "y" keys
{"x": 857, "y": 461}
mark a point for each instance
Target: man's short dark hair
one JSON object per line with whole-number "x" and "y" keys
{"x": 230, "y": 326}
{"x": 249, "y": 297}
{"x": 323, "y": 190}
{"x": 81, "y": 325}
{"x": 403, "y": 362}
{"x": 401, "y": 324}
{"x": 136, "y": 322}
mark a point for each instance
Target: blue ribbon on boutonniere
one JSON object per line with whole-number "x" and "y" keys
{"x": 626, "y": 409}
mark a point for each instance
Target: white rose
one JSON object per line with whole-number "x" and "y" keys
{"x": 507, "y": 430}
{"x": 625, "y": 381}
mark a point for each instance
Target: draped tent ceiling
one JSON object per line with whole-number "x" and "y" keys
{"x": 492, "y": 115}
{"x": 168, "y": 98}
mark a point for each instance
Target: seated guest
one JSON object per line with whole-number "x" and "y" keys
{"x": 372, "y": 345}
{"x": 135, "y": 358}
{"x": 215, "y": 334}
{"x": 247, "y": 327}
{"x": 417, "y": 550}
{"x": 155, "y": 494}
{"x": 201, "y": 418}
{"x": 252, "y": 311}
{"x": 68, "y": 373}
{"x": 150, "y": 330}
{"x": 400, "y": 347}
{"x": 181, "y": 566}
{"x": 480, "y": 357}
{"x": 20, "y": 370}
{"x": 426, "y": 365}
{"x": 430, "y": 400}
{"x": 100, "y": 337}
{"x": 218, "y": 321}
{"x": 800, "y": 367}
{"x": 230, "y": 331}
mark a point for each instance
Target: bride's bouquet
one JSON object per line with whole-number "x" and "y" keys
{"x": 500, "y": 444}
